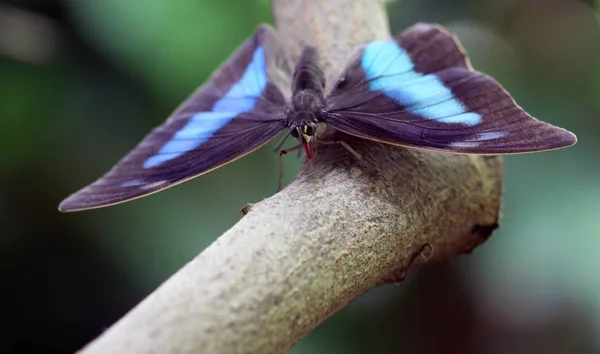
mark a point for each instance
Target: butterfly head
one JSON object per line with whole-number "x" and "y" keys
{"x": 304, "y": 133}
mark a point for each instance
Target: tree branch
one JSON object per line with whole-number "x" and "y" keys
{"x": 340, "y": 228}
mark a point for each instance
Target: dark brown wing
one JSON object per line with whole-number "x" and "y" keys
{"x": 234, "y": 113}
{"x": 419, "y": 90}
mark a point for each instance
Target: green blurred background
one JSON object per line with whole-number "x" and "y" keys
{"x": 82, "y": 81}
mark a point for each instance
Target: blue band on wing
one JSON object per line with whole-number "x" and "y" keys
{"x": 240, "y": 98}
{"x": 389, "y": 68}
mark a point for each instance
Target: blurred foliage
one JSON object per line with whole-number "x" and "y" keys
{"x": 81, "y": 82}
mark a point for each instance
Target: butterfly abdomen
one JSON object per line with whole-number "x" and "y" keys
{"x": 308, "y": 75}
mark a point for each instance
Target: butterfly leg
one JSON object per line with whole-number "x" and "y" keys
{"x": 344, "y": 144}
{"x": 282, "y": 141}
{"x": 281, "y": 154}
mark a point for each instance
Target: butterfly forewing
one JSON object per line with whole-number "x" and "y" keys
{"x": 238, "y": 110}
{"x": 419, "y": 90}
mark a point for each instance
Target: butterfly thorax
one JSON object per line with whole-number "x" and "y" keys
{"x": 306, "y": 107}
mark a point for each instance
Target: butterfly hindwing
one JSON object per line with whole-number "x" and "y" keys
{"x": 234, "y": 113}
{"x": 419, "y": 90}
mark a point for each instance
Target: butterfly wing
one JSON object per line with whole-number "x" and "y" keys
{"x": 234, "y": 113}
{"x": 419, "y": 90}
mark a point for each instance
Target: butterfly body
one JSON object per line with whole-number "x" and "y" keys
{"x": 307, "y": 107}
{"x": 416, "y": 90}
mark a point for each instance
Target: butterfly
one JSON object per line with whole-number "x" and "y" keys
{"x": 416, "y": 90}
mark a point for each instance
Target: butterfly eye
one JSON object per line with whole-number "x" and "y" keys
{"x": 310, "y": 129}
{"x": 294, "y": 132}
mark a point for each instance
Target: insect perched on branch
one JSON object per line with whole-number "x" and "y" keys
{"x": 416, "y": 90}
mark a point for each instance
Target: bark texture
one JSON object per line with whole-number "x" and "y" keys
{"x": 342, "y": 227}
